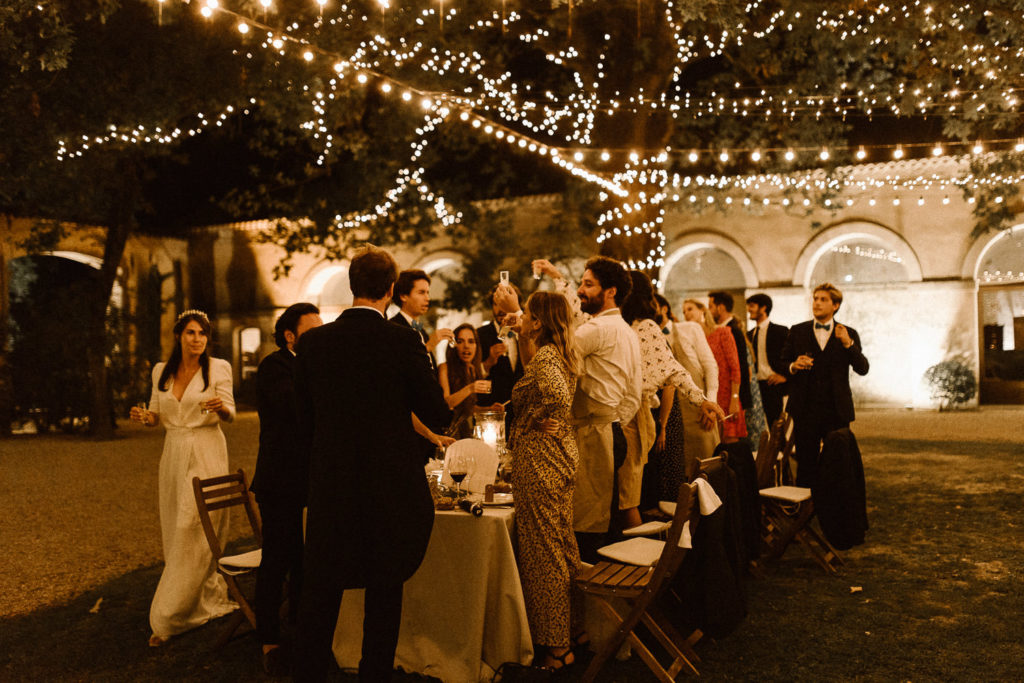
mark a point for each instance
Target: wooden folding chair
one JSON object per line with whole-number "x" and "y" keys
{"x": 218, "y": 493}
{"x": 640, "y": 585}
{"x": 787, "y": 510}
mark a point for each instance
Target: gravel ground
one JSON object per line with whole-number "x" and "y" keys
{"x": 934, "y": 594}
{"x": 78, "y": 512}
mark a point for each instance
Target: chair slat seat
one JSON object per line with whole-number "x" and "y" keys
{"x": 647, "y": 529}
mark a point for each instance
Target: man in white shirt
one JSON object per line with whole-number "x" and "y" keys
{"x": 767, "y": 340}
{"x": 608, "y": 392}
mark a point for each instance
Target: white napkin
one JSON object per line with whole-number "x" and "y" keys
{"x": 709, "y": 502}
{"x": 482, "y": 466}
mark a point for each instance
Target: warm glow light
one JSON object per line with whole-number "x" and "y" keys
{"x": 861, "y": 154}
{"x": 898, "y": 152}
{"x": 243, "y": 28}
{"x": 790, "y": 155}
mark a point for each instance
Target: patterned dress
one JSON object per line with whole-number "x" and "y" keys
{"x": 724, "y": 347}
{"x": 755, "y": 418}
{"x": 544, "y": 478}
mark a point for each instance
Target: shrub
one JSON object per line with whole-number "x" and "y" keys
{"x": 951, "y": 383}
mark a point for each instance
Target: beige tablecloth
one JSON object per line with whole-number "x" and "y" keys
{"x": 462, "y": 612}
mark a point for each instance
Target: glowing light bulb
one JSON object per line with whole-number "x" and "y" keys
{"x": 693, "y": 156}
{"x": 362, "y": 78}
{"x": 790, "y": 155}
{"x": 605, "y": 156}
{"x": 755, "y": 156}
{"x": 386, "y": 88}
{"x": 308, "y": 55}
{"x": 578, "y": 156}
{"x": 978, "y": 148}
{"x": 898, "y": 152}
{"x": 823, "y": 155}
{"x": 937, "y": 151}
{"x": 243, "y": 28}
{"x": 861, "y": 154}
{"x": 723, "y": 157}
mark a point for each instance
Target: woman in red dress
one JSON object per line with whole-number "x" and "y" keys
{"x": 723, "y": 346}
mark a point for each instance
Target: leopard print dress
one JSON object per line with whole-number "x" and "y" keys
{"x": 543, "y": 479}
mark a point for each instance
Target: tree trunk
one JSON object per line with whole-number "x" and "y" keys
{"x": 120, "y": 224}
{"x": 6, "y": 385}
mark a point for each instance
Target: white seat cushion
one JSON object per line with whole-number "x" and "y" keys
{"x": 789, "y": 494}
{"x": 668, "y": 507}
{"x": 641, "y": 551}
{"x": 239, "y": 564}
{"x": 647, "y": 529}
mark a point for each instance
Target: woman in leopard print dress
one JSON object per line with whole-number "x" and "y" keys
{"x": 544, "y": 460}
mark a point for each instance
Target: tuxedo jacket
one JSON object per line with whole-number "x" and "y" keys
{"x": 774, "y": 342}
{"x": 357, "y": 382}
{"x": 502, "y": 375}
{"x": 826, "y": 386}
{"x": 282, "y": 467}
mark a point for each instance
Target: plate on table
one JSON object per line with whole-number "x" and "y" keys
{"x": 499, "y": 499}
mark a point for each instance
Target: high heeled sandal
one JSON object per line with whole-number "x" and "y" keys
{"x": 561, "y": 659}
{"x": 580, "y": 641}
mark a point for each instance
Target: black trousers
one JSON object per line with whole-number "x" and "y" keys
{"x": 282, "y": 557}
{"x": 771, "y": 399}
{"x": 589, "y": 542}
{"x": 808, "y": 433}
{"x": 318, "y": 617}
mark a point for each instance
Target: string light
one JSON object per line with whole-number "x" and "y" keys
{"x": 560, "y": 128}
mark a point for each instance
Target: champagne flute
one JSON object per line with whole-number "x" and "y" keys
{"x": 143, "y": 411}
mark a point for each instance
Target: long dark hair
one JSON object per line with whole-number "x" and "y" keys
{"x": 640, "y": 303}
{"x": 460, "y": 374}
{"x": 174, "y": 362}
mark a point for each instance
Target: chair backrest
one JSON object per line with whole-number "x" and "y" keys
{"x": 786, "y": 448}
{"x": 708, "y": 466}
{"x": 687, "y": 510}
{"x": 217, "y": 493}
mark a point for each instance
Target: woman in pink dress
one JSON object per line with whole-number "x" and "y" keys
{"x": 723, "y": 346}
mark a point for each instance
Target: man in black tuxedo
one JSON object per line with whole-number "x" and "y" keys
{"x": 500, "y": 358}
{"x": 280, "y": 483}
{"x": 412, "y": 296}
{"x": 358, "y": 381}
{"x": 767, "y": 340}
{"x": 818, "y": 355}
{"x": 720, "y": 304}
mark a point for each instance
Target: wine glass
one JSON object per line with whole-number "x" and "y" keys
{"x": 458, "y": 467}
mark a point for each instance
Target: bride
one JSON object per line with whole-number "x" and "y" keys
{"x": 191, "y": 396}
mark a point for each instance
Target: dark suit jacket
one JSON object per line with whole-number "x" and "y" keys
{"x": 773, "y": 346}
{"x": 740, "y": 337}
{"x": 282, "y": 467}
{"x": 840, "y": 501}
{"x": 503, "y": 376}
{"x": 357, "y": 382}
{"x": 808, "y": 393}
{"x": 399, "y": 319}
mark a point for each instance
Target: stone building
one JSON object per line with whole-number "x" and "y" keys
{"x": 918, "y": 287}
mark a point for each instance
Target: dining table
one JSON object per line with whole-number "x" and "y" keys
{"x": 463, "y": 613}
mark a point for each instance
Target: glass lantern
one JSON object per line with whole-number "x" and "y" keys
{"x": 489, "y": 427}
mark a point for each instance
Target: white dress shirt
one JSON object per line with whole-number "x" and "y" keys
{"x": 822, "y": 335}
{"x": 610, "y": 351}
{"x": 764, "y": 368}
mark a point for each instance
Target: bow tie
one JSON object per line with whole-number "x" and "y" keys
{"x": 417, "y": 325}
{"x": 823, "y": 326}
{"x": 664, "y": 330}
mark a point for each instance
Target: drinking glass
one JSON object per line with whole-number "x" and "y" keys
{"x": 458, "y": 467}
{"x": 144, "y": 409}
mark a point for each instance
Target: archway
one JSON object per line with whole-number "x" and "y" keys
{"x": 997, "y": 266}
{"x": 700, "y": 262}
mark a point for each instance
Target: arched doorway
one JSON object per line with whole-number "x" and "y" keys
{"x": 48, "y": 343}
{"x": 1000, "y": 276}
{"x": 702, "y": 262}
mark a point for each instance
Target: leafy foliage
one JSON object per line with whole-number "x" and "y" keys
{"x": 951, "y": 382}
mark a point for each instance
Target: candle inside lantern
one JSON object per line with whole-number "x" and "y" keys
{"x": 490, "y": 435}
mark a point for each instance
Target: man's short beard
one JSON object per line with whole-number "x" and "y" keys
{"x": 591, "y": 306}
